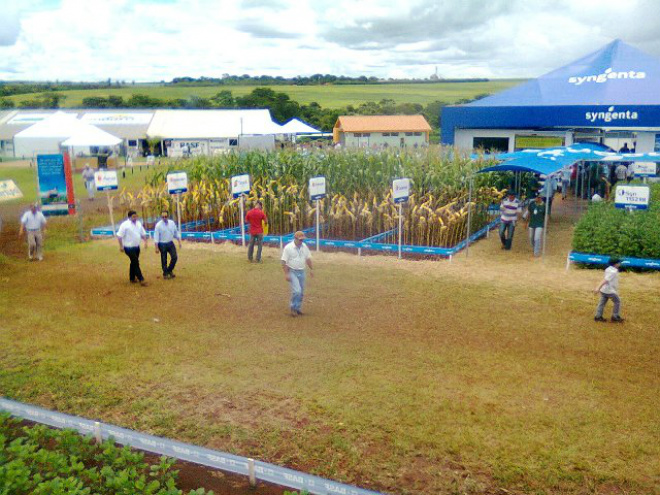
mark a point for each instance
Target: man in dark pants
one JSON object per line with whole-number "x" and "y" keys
{"x": 256, "y": 218}
{"x": 129, "y": 235}
{"x": 164, "y": 235}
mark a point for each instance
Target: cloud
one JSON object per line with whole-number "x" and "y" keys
{"x": 10, "y": 25}
{"x": 260, "y": 29}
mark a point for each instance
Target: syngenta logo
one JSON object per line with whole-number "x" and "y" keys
{"x": 611, "y": 115}
{"x": 606, "y": 76}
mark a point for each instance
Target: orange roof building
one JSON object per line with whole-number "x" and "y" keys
{"x": 366, "y": 131}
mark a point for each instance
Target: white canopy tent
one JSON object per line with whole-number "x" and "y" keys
{"x": 295, "y": 126}
{"x": 47, "y": 135}
{"x": 92, "y": 136}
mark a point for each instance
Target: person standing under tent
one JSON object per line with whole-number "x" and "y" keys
{"x": 566, "y": 175}
{"x": 509, "y": 210}
{"x": 88, "y": 177}
{"x": 624, "y": 148}
{"x": 257, "y": 219}
{"x": 129, "y": 235}
{"x": 630, "y": 174}
{"x": 295, "y": 258}
{"x": 621, "y": 172}
{"x": 34, "y": 222}
{"x": 547, "y": 189}
{"x": 164, "y": 234}
{"x": 609, "y": 289}
{"x": 535, "y": 216}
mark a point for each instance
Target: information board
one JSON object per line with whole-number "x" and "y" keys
{"x": 52, "y": 184}
{"x": 316, "y": 188}
{"x": 106, "y": 180}
{"x": 400, "y": 190}
{"x": 632, "y": 197}
{"x": 240, "y": 184}
{"x": 9, "y": 190}
{"x": 177, "y": 182}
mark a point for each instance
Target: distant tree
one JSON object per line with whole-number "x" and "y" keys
{"x": 224, "y": 99}
{"x": 6, "y": 103}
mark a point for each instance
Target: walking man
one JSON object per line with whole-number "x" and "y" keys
{"x": 257, "y": 219}
{"x": 164, "y": 234}
{"x": 129, "y": 234}
{"x": 295, "y": 257}
{"x": 609, "y": 289}
{"x": 88, "y": 177}
{"x": 535, "y": 216}
{"x": 509, "y": 210}
{"x": 34, "y": 222}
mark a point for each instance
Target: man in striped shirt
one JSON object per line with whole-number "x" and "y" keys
{"x": 509, "y": 210}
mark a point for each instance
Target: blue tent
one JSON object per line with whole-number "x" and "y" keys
{"x": 616, "y": 86}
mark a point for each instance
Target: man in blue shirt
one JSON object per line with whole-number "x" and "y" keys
{"x": 164, "y": 235}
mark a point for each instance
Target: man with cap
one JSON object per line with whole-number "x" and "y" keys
{"x": 33, "y": 221}
{"x": 509, "y": 210}
{"x": 295, "y": 257}
{"x": 535, "y": 216}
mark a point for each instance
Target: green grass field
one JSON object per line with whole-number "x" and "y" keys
{"x": 486, "y": 375}
{"x": 326, "y": 96}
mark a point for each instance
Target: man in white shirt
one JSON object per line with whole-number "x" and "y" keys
{"x": 509, "y": 210}
{"x": 164, "y": 234}
{"x": 88, "y": 177}
{"x": 33, "y": 221}
{"x": 129, "y": 235}
{"x": 621, "y": 172}
{"x": 609, "y": 289}
{"x": 295, "y": 257}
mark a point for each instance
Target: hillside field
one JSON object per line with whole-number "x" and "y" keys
{"x": 331, "y": 96}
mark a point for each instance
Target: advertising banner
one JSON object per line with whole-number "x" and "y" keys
{"x": 177, "y": 182}
{"x": 524, "y": 142}
{"x": 240, "y": 184}
{"x": 644, "y": 169}
{"x": 632, "y": 197}
{"x": 52, "y": 185}
{"x": 316, "y": 188}
{"x": 401, "y": 190}
{"x": 106, "y": 180}
{"x": 9, "y": 190}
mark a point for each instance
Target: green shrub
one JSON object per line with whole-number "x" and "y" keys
{"x": 42, "y": 461}
{"x": 611, "y": 231}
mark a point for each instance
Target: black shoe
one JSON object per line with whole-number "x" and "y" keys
{"x": 599, "y": 318}
{"x": 172, "y": 275}
{"x": 134, "y": 281}
{"x": 617, "y": 319}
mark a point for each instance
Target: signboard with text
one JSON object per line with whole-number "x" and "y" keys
{"x": 52, "y": 184}
{"x": 316, "y": 188}
{"x": 644, "y": 169}
{"x": 177, "y": 182}
{"x": 400, "y": 190}
{"x": 106, "y": 180}
{"x": 9, "y": 190}
{"x": 632, "y": 197}
{"x": 240, "y": 184}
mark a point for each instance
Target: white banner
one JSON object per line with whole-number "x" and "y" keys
{"x": 9, "y": 190}
{"x": 644, "y": 169}
{"x": 316, "y": 188}
{"x": 177, "y": 182}
{"x": 240, "y": 184}
{"x": 400, "y": 190}
{"x": 106, "y": 180}
{"x": 634, "y": 197}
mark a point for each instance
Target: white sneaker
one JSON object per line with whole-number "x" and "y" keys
{"x": 40, "y": 258}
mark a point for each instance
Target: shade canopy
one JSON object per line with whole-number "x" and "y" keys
{"x": 295, "y": 126}
{"x": 91, "y": 136}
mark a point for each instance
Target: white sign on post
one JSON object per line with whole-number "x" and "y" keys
{"x": 316, "y": 188}
{"x": 240, "y": 184}
{"x": 400, "y": 190}
{"x": 177, "y": 182}
{"x": 632, "y": 197}
{"x": 644, "y": 169}
{"x": 9, "y": 190}
{"x": 106, "y": 180}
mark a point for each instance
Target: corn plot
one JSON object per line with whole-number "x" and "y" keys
{"x": 358, "y": 205}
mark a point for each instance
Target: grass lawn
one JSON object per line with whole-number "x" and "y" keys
{"x": 327, "y": 96}
{"x": 485, "y": 375}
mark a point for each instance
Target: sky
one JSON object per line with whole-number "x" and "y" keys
{"x": 154, "y": 40}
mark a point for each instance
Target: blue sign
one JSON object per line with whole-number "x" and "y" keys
{"x": 52, "y": 184}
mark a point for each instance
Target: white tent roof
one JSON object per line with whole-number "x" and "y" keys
{"x": 295, "y": 126}
{"x": 209, "y": 124}
{"x": 92, "y": 136}
{"x": 59, "y": 125}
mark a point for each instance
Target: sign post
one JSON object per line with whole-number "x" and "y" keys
{"x": 644, "y": 169}
{"x": 316, "y": 193}
{"x": 632, "y": 197}
{"x": 177, "y": 183}
{"x": 240, "y": 185}
{"x": 400, "y": 194}
{"x": 469, "y": 219}
{"x": 106, "y": 180}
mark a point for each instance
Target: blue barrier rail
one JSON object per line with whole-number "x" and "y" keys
{"x": 599, "y": 259}
{"x": 186, "y": 452}
{"x": 369, "y": 244}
